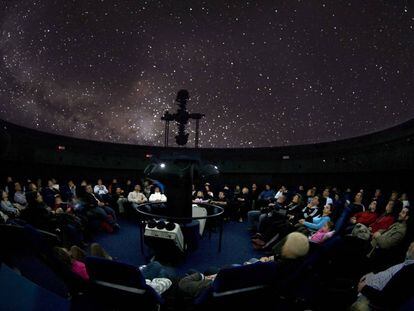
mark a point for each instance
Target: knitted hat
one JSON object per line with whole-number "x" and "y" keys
{"x": 296, "y": 245}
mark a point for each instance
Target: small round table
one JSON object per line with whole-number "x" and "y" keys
{"x": 213, "y": 212}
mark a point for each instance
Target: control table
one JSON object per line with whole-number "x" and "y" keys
{"x": 145, "y": 212}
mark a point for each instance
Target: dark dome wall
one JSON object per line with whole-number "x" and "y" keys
{"x": 387, "y": 155}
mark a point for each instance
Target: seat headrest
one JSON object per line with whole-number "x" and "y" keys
{"x": 101, "y": 269}
{"x": 245, "y": 276}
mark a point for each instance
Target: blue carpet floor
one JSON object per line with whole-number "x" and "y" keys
{"x": 236, "y": 248}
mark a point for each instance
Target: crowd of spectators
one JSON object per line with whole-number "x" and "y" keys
{"x": 75, "y": 208}
{"x": 375, "y": 224}
{"x": 287, "y": 224}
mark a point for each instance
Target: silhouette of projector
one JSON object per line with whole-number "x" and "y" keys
{"x": 182, "y": 116}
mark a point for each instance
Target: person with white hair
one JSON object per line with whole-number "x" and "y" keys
{"x": 294, "y": 246}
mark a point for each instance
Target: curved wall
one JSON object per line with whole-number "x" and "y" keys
{"x": 388, "y": 153}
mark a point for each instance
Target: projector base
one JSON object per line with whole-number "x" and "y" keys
{"x": 167, "y": 245}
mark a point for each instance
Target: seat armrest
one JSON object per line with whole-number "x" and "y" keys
{"x": 238, "y": 291}
{"x": 132, "y": 290}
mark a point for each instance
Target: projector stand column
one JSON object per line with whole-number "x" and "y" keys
{"x": 220, "y": 233}
{"x": 197, "y": 132}
{"x": 141, "y": 233}
{"x": 166, "y": 133}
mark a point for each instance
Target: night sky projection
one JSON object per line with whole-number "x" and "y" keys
{"x": 265, "y": 73}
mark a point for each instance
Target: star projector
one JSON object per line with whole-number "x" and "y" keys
{"x": 182, "y": 116}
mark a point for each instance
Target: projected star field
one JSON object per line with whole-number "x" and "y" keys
{"x": 265, "y": 73}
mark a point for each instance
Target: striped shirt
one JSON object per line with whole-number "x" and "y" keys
{"x": 379, "y": 280}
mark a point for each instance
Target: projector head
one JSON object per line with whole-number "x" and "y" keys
{"x": 182, "y": 96}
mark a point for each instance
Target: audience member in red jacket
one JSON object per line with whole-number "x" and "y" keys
{"x": 385, "y": 220}
{"x": 366, "y": 218}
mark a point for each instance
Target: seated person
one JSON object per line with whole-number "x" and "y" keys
{"x": 9, "y": 186}
{"x": 326, "y": 199}
{"x": 71, "y": 187}
{"x": 309, "y": 211}
{"x": 4, "y": 219}
{"x": 384, "y": 221}
{"x": 356, "y": 206}
{"x": 282, "y": 191}
{"x": 323, "y": 234}
{"x": 73, "y": 259}
{"x": 318, "y": 221}
{"x": 148, "y": 186}
{"x": 294, "y": 208}
{"x": 310, "y": 194}
{"x": 200, "y": 198}
{"x": 266, "y": 196}
{"x": 386, "y": 239}
{"x": 32, "y": 187}
{"x": 19, "y": 196}
{"x": 96, "y": 209}
{"x": 55, "y": 184}
{"x": 259, "y": 219}
{"x": 7, "y": 207}
{"x": 37, "y": 213}
{"x": 279, "y": 204}
{"x": 228, "y": 192}
{"x": 119, "y": 199}
{"x": 101, "y": 191}
{"x": 62, "y": 207}
{"x": 113, "y": 185}
{"x": 292, "y": 247}
{"x": 157, "y": 196}
{"x": 366, "y": 218}
{"x": 274, "y": 231}
{"x": 50, "y": 193}
{"x": 338, "y": 205}
{"x": 404, "y": 200}
{"x": 208, "y": 194}
{"x": 254, "y": 194}
{"x": 223, "y": 202}
{"x": 273, "y": 218}
{"x": 349, "y": 210}
{"x": 136, "y": 197}
{"x": 387, "y": 289}
{"x": 241, "y": 205}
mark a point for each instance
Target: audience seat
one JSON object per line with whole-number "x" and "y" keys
{"x": 27, "y": 250}
{"x": 396, "y": 292}
{"x": 241, "y": 286}
{"x": 119, "y": 285}
{"x": 408, "y": 305}
{"x": 19, "y": 293}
